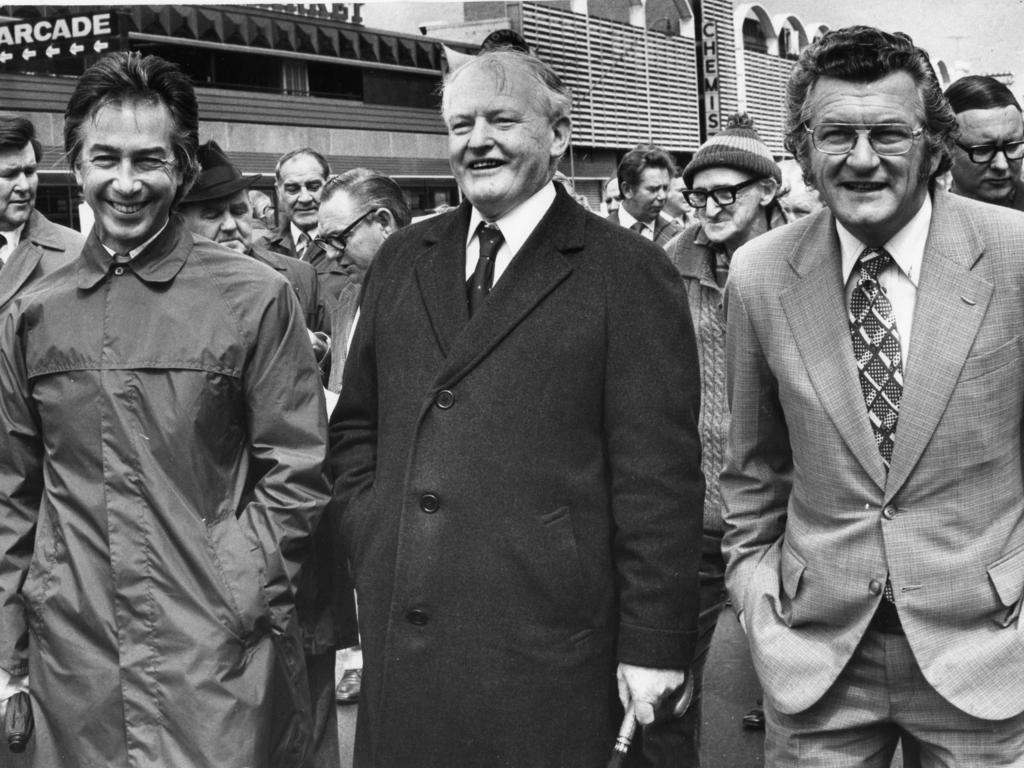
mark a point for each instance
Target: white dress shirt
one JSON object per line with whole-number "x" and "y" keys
{"x": 627, "y": 220}
{"x": 516, "y": 227}
{"x": 900, "y": 279}
{"x": 13, "y": 238}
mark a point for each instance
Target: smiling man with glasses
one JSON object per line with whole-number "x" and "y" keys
{"x": 872, "y": 485}
{"x": 988, "y": 154}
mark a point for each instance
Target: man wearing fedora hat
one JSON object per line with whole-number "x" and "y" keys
{"x": 217, "y": 207}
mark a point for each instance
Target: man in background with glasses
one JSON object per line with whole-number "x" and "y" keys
{"x": 731, "y": 183}
{"x": 988, "y": 153}
{"x": 873, "y": 488}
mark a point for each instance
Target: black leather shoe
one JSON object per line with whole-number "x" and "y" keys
{"x": 754, "y": 719}
{"x": 349, "y": 686}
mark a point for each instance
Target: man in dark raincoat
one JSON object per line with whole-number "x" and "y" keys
{"x": 161, "y": 465}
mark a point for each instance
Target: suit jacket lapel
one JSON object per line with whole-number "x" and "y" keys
{"x": 951, "y": 303}
{"x": 815, "y": 306}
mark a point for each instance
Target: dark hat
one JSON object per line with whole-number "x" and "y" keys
{"x": 217, "y": 176}
{"x": 739, "y": 147}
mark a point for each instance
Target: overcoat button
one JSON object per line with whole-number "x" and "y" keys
{"x": 445, "y": 399}
{"x": 118, "y": 271}
{"x": 417, "y": 617}
{"x": 875, "y": 587}
{"x": 888, "y": 511}
{"x": 429, "y": 503}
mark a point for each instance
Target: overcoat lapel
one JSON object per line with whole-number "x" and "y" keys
{"x": 26, "y": 256}
{"x": 537, "y": 268}
{"x": 951, "y": 303}
{"x": 441, "y": 276}
{"x": 815, "y": 307}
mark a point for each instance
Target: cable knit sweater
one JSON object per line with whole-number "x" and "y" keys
{"x": 692, "y": 254}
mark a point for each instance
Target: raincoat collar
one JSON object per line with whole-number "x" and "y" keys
{"x": 159, "y": 262}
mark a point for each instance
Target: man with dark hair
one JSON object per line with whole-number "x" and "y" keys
{"x": 873, "y": 485}
{"x": 644, "y": 175}
{"x": 517, "y": 459}
{"x": 300, "y": 175}
{"x": 989, "y": 150}
{"x": 30, "y": 244}
{"x": 161, "y": 466}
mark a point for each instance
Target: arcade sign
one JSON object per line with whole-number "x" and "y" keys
{"x": 25, "y": 43}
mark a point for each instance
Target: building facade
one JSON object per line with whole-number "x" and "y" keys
{"x": 271, "y": 78}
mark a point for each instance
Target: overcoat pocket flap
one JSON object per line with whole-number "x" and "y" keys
{"x": 1007, "y": 575}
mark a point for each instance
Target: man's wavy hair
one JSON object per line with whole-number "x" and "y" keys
{"x": 863, "y": 55}
{"x": 131, "y": 78}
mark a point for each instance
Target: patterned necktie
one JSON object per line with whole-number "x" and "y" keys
{"x": 490, "y": 238}
{"x": 876, "y": 345}
{"x": 303, "y": 246}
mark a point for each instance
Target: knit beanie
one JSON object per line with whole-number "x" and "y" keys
{"x": 739, "y": 147}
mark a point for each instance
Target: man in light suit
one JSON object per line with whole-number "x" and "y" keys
{"x": 518, "y": 467}
{"x": 875, "y": 514}
{"x": 30, "y": 244}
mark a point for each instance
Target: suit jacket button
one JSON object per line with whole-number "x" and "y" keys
{"x": 888, "y": 511}
{"x": 430, "y": 503}
{"x": 875, "y": 587}
{"x": 445, "y": 399}
{"x": 417, "y": 617}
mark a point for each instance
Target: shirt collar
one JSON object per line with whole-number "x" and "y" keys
{"x": 906, "y": 247}
{"x": 13, "y": 237}
{"x": 157, "y": 261}
{"x": 518, "y": 224}
{"x": 139, "y": 248}
{"x": 297, "y": 233}
{"x": 627, "y": 220}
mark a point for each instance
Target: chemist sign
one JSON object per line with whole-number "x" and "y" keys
{"x": 26, "y": 44}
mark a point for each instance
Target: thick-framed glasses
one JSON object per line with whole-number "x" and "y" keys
{"x": 982, "y": 154}
{"x": 698, "y": 198}
{"x": 884, "y": 138}
{"x": 339, "y": 241}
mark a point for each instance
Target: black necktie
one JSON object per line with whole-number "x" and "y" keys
{"x": 490, "y": 241}
{"x": 3, "y": 242}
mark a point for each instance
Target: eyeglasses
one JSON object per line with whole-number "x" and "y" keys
{"x": 339, "y": 241}
{"x": 884, "y": 138}
{"x": 985, "y": 153}
{"x": 698, "y": 198}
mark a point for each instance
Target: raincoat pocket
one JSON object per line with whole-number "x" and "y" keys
{"x": 241, "y": 569}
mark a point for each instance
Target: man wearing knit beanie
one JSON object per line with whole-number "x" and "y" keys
{"x": 731, "y": 183}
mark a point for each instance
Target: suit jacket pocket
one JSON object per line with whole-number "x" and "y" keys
{"x": 979, "y": 365}
{"x": 791, "y": 571}
{"x": 1007, "y": 576}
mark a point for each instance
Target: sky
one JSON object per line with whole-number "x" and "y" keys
{"x": 984, "y": 34}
